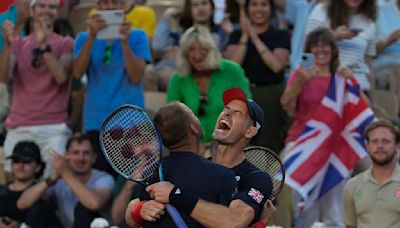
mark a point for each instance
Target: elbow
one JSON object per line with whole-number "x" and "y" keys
{"x": 116, "y": 217}
{"x": 22, "y": 204}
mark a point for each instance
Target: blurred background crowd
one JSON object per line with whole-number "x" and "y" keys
{"x": 59, "y": 81}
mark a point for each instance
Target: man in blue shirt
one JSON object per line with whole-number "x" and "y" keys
{"x": 114, "y": 70}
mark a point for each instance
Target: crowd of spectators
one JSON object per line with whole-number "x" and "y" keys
{"x": 55, "y": 84}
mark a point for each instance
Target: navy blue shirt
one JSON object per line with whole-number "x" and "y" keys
{"x": 254, "y": 186}
{"x": 198, "y": 176}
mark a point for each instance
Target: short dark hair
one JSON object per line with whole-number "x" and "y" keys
{"x": 172, "y": 121}
{"x": 325, "y": 36}
{"x": 79, "y": 137}
{"x": 383, "y": 123}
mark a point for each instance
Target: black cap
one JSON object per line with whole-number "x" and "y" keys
{"x": 255, "y": 111}
{"x": 26, "y": 151}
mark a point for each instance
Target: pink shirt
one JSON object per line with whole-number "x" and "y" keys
{"x": 307, "y": 102}
{"x": 37, "y": 98}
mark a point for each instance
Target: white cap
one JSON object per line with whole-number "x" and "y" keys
{"x": 33, "y": 2}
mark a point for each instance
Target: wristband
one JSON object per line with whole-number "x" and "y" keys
{"x": 183, "y": 201}
{"x": 50, "y": 182}
{"x": 135, "y": 212}
{"x": 259, "y": 224}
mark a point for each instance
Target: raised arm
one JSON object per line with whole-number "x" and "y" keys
{"x": 81, "y": 61}
{"x": 7, "y": 60}
{"x": 59, "y": 68}
{"x": 292, "y": 91}
{"x": 134, "y": 65}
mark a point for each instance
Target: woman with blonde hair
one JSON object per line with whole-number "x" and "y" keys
{"x": 202, "y": 76}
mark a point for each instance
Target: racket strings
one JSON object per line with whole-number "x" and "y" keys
{"x": 131, "y": 144}
{"x": 269, "y": 163}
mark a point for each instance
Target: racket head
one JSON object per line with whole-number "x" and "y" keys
{"x": 267, "y": 161}
{"x": 131, "y": 143}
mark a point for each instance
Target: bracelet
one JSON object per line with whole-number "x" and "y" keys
{"x": 135, "y": 212}
{"x": 50, "y": 182}
{"x": 183, "y": 201}
{"x": 259, "y": 224}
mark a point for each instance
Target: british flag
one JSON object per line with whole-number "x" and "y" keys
{"x": 331, "y": 143}
{"x": 256, "y": 195}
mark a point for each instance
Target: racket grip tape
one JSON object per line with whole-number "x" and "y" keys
{"x": 173, "y": 212}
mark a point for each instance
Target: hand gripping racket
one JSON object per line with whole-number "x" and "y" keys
{"x": 131, "y": 144}
{"x": 266, "y": 160}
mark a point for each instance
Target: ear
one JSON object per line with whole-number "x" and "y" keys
{"x": 194, "y": 129}
{"x": 250, "y": 132}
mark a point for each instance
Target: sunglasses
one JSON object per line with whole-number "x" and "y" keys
{"x": 107, "y": 54}
{"x": 36, "y": 61}
{"x": 202, "y": 103}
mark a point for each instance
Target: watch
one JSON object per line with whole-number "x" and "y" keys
{"x": 50, "y": 182}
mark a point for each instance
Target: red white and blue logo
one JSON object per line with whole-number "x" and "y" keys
{"x": 256, "y": 195}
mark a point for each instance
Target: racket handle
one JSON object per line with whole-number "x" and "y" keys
{"x": 173, "y": 212}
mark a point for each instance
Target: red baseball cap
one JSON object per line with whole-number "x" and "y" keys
{"x": 255, "y": 111}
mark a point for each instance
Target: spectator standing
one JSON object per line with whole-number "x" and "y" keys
{"x": 114, "y": 71}
{"x": 353, "y": 25}
{"x": 388, "y": 34}
{"x": 371, "y": 199}
{"x": 202, "y": 77}
{"x": 263, "y": 52}
{"x": 302, "y": 96}
{"x": 27, "y": 167}
{"x": 81, "y": 192}
{"x": 39, "y": 64}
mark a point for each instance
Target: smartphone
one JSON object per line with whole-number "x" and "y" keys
{"x": 114, "y": 19}
{"x": 307, "y": 60}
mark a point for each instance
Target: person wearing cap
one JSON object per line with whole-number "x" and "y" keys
{"x": 185, "y": 168}
{"x": 81, "y": 193}
{"x": 114, "y": 70}
{"x": 27, "y": 167}
{"x": 39, "y": 67}
{"x": 240, "y": 122}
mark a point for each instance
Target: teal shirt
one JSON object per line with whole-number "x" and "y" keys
{"x": 10, "y": 14}
{"x": 186, "y": 90}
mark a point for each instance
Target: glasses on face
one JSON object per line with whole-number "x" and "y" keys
{"x": 202, "y": 103}
{"x": 36, "y": 61}
{"x": 107, "y": 54}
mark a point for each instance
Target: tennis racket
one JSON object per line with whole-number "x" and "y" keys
{"x": 131, "y": 144}
{"x": 267, "y": 161}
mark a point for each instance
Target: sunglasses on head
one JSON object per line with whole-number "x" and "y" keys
{"x": 202, "y": 103}
{"x": 107, "y": 54}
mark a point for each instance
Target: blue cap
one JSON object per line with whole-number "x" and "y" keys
{"x": 255, "y": 111}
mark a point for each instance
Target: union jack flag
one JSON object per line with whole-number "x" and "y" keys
{"x": 331, "y": 143}
{"x": 256, "y": 195}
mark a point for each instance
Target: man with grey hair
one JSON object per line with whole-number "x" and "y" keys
{"x": 114, "y": 70}
{"x": 39, "y": 66}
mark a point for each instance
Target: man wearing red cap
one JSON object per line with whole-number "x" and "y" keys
{"x": 239, "y": 123}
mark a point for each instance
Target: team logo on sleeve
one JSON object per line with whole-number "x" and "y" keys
{"x": 256, "y": 195}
